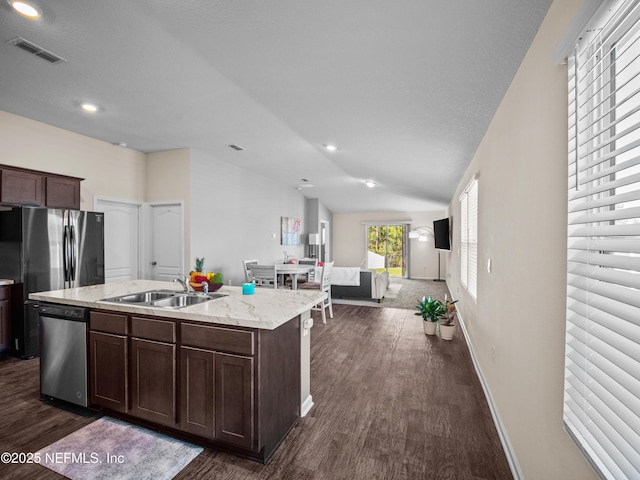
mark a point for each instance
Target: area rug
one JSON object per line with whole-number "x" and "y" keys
{"x": 112, "y": 449}
{"x": 393, "y": 290}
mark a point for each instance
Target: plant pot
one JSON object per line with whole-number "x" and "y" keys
{"x": 447, "y": 331}
{"x": 429, "y": 327}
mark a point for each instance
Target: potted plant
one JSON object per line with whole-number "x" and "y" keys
{"x": 447, "y": 327}
{"x": 430, "y": 310}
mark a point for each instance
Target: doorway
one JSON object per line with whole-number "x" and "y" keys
{"x": 387, "y": 249}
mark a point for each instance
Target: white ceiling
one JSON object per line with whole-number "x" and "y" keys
{"x": 405, "y": 88}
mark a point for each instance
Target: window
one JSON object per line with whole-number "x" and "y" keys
{"x": 602, "y": 354}
{"x": 387, "y": 248}
{"x": 469, "y": 237}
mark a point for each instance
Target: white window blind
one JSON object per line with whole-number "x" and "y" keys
{"x": 602, "y": 359}
{"x": 469, "y": 237}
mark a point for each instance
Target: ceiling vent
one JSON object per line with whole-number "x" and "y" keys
{"x": 36, "y": 50}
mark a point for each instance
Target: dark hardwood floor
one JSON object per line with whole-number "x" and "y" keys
{"x": 390, "y": 403}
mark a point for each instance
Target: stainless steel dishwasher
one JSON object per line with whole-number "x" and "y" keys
{"x": 63, "y": 352}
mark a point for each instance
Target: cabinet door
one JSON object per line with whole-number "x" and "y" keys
{"x": 234, "y": 406}
{"x": 197, "y": 391}
{"x": 108, "y": 371}
{"x": 5, "y": 319}
{"x": 21, "y": 188}
{"x": 154, "y": 381}
{"x": 62, "y": 192}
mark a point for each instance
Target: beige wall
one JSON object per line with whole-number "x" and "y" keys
{"x": 349, "y": 241}
{"x": 168, "y": 178}
{"x": 108, "y": 170}
{"x": 517, "y": 325}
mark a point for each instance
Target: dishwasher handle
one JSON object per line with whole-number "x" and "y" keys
{"x": 67, "y": 312}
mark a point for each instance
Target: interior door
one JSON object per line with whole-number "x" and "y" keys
{"x": 121, "y": 239}
{"x": 167, "y": 241}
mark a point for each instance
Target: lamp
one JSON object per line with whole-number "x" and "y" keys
{"x": 314, "y": 241}
{"x": 423, "y": 233}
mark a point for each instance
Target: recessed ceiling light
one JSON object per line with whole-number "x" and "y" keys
{"x": 369, "y": 183}
{"x": 330, "y": 147}
{"x": 89, "y": 107}
{"x": 27, "y": 10}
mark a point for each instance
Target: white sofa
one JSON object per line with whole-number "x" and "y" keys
{"x": 371, "y": 285}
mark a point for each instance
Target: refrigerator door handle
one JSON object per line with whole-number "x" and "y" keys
{"x": 65, "y": 253}
{"x": 72, "y": 250}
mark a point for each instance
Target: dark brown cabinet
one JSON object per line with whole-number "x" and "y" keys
{"x": 218, "y": 396}
{"x": 108, "y": 367}
{"x": 109, "y": 361}
{"x": 153, "y": 361}
{"x": 235, "y": 388}
{"x": 19, "y": 186}
{"x": 154, "y": 381}
{"x": 197, "y": 413}
{"x": 235, "y": 414}
{"x": 5, "y": 318}
{"x": 62, "y": 192}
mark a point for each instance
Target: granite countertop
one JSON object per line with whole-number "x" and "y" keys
{"x": 4, "y": 281}
{"x": 266, "y": 309}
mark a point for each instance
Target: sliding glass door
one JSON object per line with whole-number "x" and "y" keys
{"x": 387, "y": 249}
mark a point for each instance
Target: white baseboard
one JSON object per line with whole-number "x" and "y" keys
{"x": 306, "y": 406}
{"x": 504, "y": 438}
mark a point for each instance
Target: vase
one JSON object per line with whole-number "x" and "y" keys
{"x": 446, "y": 331}
{"x": 429, "y": 327}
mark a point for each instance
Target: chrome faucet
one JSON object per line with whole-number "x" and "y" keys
{"x": 184, "y": 281}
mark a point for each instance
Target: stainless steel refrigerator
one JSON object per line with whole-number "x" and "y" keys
{"x": 45, "y": 249}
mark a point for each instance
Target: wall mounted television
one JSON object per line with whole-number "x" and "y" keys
{"x": 441, "y": 234}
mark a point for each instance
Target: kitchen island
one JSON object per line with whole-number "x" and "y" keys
{"x": 231, "y": 373}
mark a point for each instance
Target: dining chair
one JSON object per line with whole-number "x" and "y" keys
{"x": 247, "y": 270}
{"x": 324, "y": 285}
{"x": 311, "y": 275}
{"x": 264, "y": 275}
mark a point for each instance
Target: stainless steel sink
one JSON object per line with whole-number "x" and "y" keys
{"x": 179, "y": 301}
{"x": 145, "y": 297}
{"x": 164, "y": 299}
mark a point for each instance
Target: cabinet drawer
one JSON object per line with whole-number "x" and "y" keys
{"x": 4, "y": 293}
{"x": 108, "y": 323}
{"x": 215, "y": 338}
{"x": 152, "y": 329}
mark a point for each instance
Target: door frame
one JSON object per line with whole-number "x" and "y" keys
{"x": 406, "y": 244}
{"x": 144, "y": 230}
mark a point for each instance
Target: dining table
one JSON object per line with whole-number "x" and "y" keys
{"x": 293, "y": 269}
